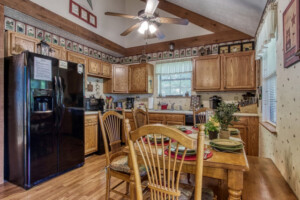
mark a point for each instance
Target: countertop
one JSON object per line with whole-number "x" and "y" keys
{"x": 186, "y": 112}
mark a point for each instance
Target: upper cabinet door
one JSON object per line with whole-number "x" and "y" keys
{"x": 94, "y": 67}
{"x": 239, "y": 71}
{"x": 106, "y": 70}
{"x": 207, "y": 73}
{"x": 58, "y": 52}
{"x": 16, "y": 43}
{"x": 120, "y": 79}
{"x": 138, "y": 80}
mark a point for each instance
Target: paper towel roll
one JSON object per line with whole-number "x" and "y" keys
{"x": 150, "y": 102}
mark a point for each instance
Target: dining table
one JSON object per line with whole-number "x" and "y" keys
{"x": 226, "y": 167}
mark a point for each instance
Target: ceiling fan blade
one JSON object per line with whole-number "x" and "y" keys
{"x": 160, "y": 35}
{"x": 122, "y": 15}
{"x": 151, "y": 6}
{"x": 169, "y": 20}
{"x": 130, "y": 29}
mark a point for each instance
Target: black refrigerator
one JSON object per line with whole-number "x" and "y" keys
{"x": 44, "y": 118}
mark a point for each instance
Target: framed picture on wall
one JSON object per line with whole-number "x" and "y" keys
{"x": 248, "y": 46}
{"x": 80, "y": 48}
{"x": 48, "y": 37}
{"x": 62, "y": 42}
{"x": 55, "y": 39}
{"x": 235, "y": 48}
{"x": 86, "y": 51}
{"x": 223, "y": 49}
{"x": 291, "y": 33}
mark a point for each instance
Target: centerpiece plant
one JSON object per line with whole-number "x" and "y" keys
{"x": 212, "y": 128}
{"x": 224, "y": 114}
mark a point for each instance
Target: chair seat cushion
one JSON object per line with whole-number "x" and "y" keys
{"x": 120, "y": 164}
{"x": 187, "y": 193}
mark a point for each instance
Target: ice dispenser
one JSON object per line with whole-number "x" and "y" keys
{"x": 43, "y": 100}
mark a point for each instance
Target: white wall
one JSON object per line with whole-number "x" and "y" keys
{"x": 284, "y": 148}
{"x": 107, "y": 26}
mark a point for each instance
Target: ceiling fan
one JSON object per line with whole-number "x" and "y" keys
{"x": 149, "y": 21}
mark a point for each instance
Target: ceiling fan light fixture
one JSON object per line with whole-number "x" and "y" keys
{"x": 144, "y": 26}
{"x": 152, "y": 28}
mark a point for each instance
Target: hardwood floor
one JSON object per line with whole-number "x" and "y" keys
{"x": 263, "y": 181}
{"x": 85, "y": 183}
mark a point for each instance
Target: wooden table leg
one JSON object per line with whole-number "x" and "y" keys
{"x": 132, "y": 192}
{"x": 235, "y": 184}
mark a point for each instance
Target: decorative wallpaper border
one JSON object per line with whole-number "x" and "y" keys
{"x": 31, "y": 31}
{"x": 214, "y": 49}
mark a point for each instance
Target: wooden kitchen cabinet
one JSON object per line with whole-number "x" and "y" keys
{"x": 225, "y": 72}
{"x": 94, "y": 67}
{"x": 59, "y": 52}
{"x": 106, "y": 70}
{"x": 249, "y": 130}
{"x": 141, "y": 78}
{"x": 239, "y": 71}
{"x": 16, "y": 43}
{"x": 160, "y": 118}
{"x": 79, "y": 59}
{"x": 119, "y": 81}
{"x": 91, "y": 134}
{"x": 207, "y": 73}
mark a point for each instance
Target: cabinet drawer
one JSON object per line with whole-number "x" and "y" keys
{"x": 156, "y": 117}
{"x": 155, "y": 122}
{"x": 175, "y": 117}
{"x": 128, "y": 115}
{"x": 242, "y": 121}
{"x": 91, "y": 119}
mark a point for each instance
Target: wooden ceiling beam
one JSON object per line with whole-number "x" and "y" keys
{"x": 215, "y": 38}
{"x": 34, "y": 10}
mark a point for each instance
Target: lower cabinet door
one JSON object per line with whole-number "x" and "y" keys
{"x": 90, "y": 137}
{"x": 244, "y": 136}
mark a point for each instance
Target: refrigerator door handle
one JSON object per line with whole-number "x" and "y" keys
{"x": 56, "y": 90}
{"x": 61, "y": 92}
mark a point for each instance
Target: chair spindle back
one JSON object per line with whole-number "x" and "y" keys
{"x": 140, "y": 117}
{"x": 158, "y": 152}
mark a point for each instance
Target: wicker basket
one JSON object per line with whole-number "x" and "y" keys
{"x": 249, "y": 109}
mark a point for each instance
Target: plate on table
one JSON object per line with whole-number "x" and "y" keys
{"x": 158, "y": 138}
{"x": 181, "y": 148}
{"x": 182, "y": 128}
{"x": 233, "y": 131}
{"x": 226, "y": 142}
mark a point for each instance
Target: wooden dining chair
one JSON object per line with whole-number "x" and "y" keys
{"x": 140, "y": 117}
{"x": 112, "y": 128}
{"x": 162, "y": 164}
{"x": 201, "y": 116}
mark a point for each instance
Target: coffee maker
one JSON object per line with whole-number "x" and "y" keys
{"x": 214, "y": 102}
{"x": 129, "y": 103}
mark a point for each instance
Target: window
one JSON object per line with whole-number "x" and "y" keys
{"x": 174, "y": 78}
{"x": 269, "y": 82}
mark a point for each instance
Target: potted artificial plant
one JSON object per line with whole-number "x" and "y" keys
{"x": 212, "y": 129}
{"x": 224, "y": 115}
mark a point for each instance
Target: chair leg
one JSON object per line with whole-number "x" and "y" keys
{"x": 189, "y": 178}
{"x": 127, "y": 188}
{"x": 107, "y": 195}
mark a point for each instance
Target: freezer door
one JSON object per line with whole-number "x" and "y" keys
{"x": 42, "y": 118}
{"x": 71, "y": 126}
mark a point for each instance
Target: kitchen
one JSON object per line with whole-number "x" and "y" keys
{"x": 198, "y": 64}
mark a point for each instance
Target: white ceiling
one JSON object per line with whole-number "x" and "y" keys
{"x": 243, "y": 15}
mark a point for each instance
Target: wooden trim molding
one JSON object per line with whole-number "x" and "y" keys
{"x": 34, "y": 10}
{"x": 1, "y": 94}
{"x": 270, "y": 127}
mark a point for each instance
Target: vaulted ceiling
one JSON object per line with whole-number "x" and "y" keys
{"x": 242, "y": 16}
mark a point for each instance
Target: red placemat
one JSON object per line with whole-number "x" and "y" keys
{"x": 188, "y": 132}
{"x": 187, "y": 158}
{"x": 158, "y": 144}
